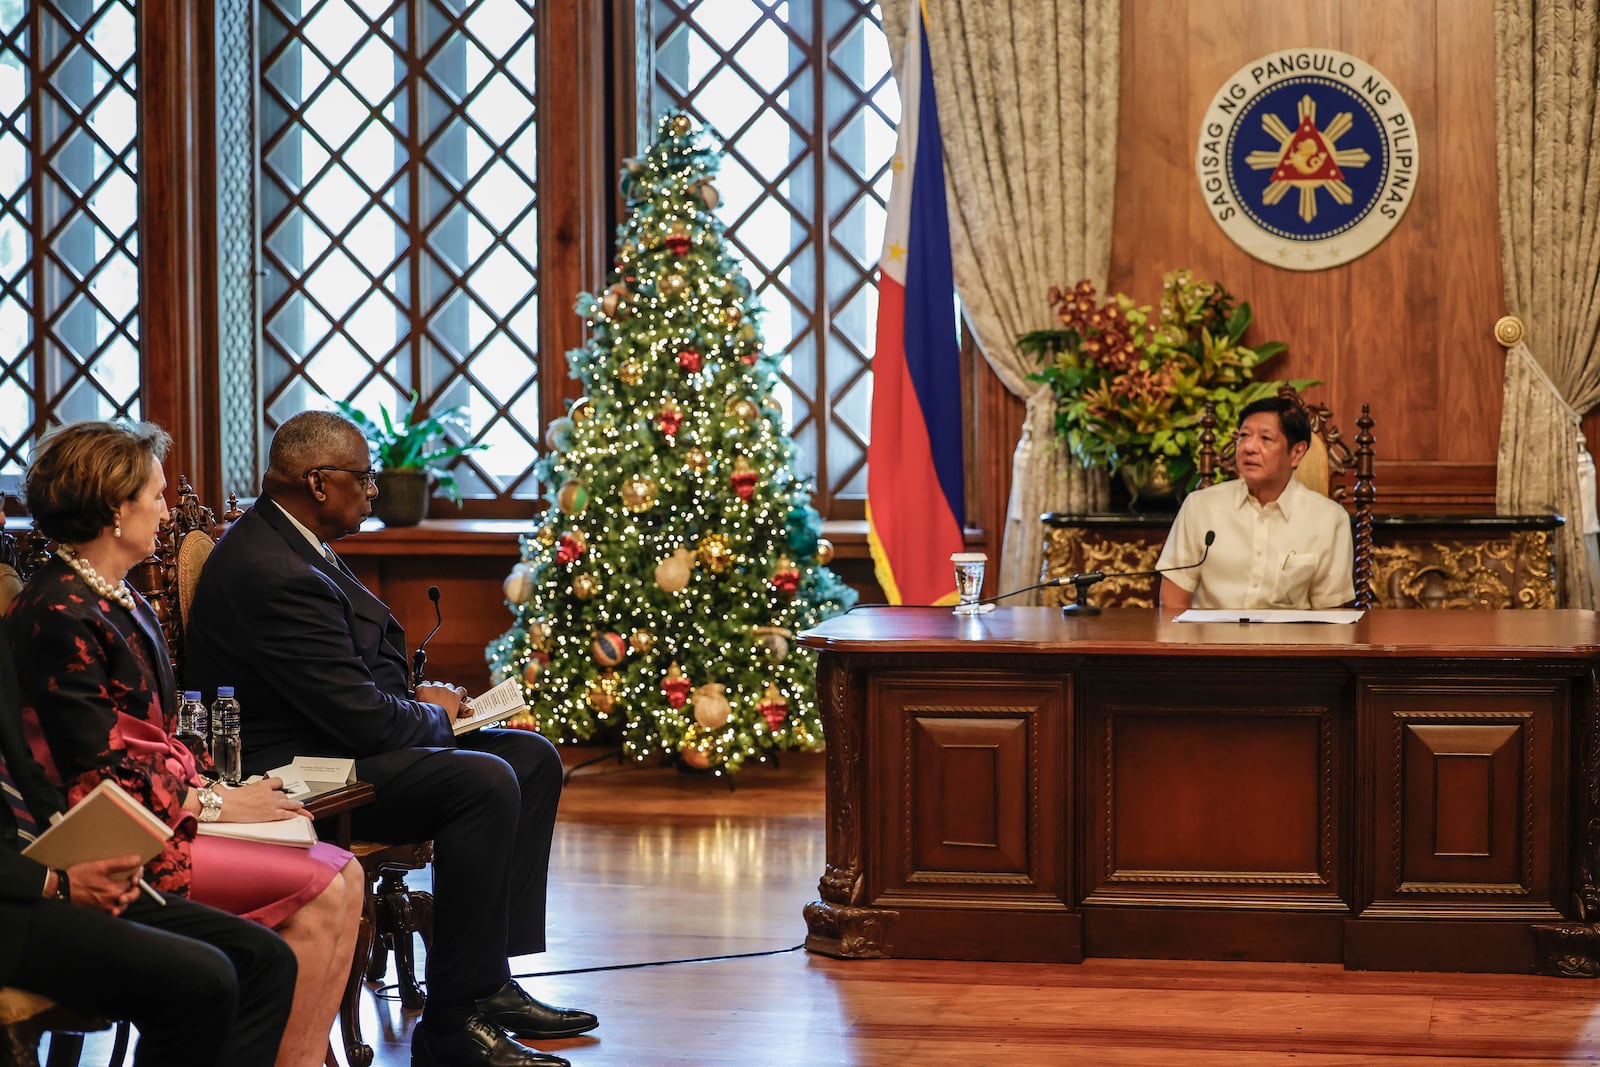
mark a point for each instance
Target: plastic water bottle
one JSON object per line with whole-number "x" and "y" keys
{"x": 192, "y": 722}
{"x": 225, "y": 736}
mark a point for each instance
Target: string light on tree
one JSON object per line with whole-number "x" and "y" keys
{"x": 678, "y": 516}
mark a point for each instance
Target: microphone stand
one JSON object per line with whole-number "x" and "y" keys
{"x": 1082, "y": 583}
{"x": 419, "y": 658}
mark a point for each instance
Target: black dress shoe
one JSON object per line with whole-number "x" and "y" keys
{"x": 512, "y": 1009}
{"x": 480, "y": 1043}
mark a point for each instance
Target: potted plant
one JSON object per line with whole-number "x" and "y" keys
{"x": 408, "y": 452}
{"x": 1131, "y": 385}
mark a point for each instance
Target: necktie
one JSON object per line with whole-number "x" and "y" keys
{"x": 27, "y": 825}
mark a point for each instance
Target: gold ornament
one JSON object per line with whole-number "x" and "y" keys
{"x": 642, "y": 641}
{"x": 537, "y": 663}
{"x": 584, "y": 586}
{"x": 715, "y": 553}
{"x": 545, "y": 535}
{"x": 603, "y": 693}
{"x": 774, "y": 640}
{"x": 680, "y": 126}
{"x": 711, "y": 707}
{"x": 672, "y": 573}
{"x": 581, "y": 410}
{"x": 538, "y": 633}
{"x": 638, "y": 493}
{"x": 824, "y": 551}
{"x": 673, "y": 284}
{"x": 630, "y": 373}
{"x": 696, "y": 460}
{"x": 519, "y": 584}
{"x": 708, "y": 194}
{"x": 614, "y": 302}
{"x": 731, "y": 315}
{"x": 745, "y": 409}
{"x": 572, "y": 497}
{"x": 696, "y": 757}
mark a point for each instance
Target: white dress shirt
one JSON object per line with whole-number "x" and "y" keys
{"x": 1292, "y": 553}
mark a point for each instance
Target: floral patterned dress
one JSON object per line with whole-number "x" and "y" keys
{"x": 99, "y": 701}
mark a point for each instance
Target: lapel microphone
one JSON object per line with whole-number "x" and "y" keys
{"x": 419, "y": 658}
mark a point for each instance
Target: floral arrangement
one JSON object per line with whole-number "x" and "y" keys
{"x": 1131, "y": 385}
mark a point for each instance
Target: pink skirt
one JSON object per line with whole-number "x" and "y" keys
{"x": 261, "y": 882}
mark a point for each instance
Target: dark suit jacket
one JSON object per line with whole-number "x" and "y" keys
{"x": 318, "y": 663}
{"x": 21, "y": 880}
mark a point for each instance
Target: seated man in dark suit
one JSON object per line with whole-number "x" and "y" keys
{"x": 203, "y": 987}
{"x": 319, "y": 666}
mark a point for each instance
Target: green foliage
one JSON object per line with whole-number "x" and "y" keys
{"x": 1131, "y": 384}
{"x": 407, "y": 443}
{"x": 680, "y": 555}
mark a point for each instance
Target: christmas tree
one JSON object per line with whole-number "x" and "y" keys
{"x": 680, "y": 554}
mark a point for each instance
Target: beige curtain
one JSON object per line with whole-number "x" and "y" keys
{"x": 1546, "y": 67}
{"x": 1027, "y": 93}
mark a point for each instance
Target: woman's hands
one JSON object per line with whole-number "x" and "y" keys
{"x": 261, "y": 801}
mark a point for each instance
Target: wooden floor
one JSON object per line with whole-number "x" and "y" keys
{"x": 655, "y": 865}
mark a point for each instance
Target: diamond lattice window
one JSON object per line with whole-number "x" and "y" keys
{"x": 802, "y": 94}
{"x": 69, "y": 273}
{"x": 400, "y": 220}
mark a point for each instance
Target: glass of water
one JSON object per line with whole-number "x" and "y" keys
{"x": 969, "y": 582}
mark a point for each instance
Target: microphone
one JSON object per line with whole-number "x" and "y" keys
{"x": 1081, "y": 583}
{"x": 419, "y": 658}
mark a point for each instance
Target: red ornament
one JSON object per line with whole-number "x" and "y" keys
{"x": 750, "y": 357}
{"x": 773, "y": 707}
{"x": 689, "y": 360}
{"x": 569, "y": 548}
{"x": 743, "y": 478}
{"x": 676, "y": 686}
{"x": 677, "y": 243}
{"x": 669, "y": 419}
{"x": 786, "y": 579}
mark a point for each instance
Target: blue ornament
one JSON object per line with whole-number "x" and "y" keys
{"x": 802, "y": 527}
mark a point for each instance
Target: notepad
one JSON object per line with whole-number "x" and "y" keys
{"x": 312, "y": 776}
{"x": 496, "y": 705}
{"x": 108, "y": 822}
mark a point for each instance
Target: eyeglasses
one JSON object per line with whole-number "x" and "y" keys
{"x": 367, "y": 478}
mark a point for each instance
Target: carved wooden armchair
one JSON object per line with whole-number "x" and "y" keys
{"x": 1330, "y": 467}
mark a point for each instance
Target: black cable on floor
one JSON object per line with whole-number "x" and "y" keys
{"x": 662, "y": 963}
{"x": 615, "y": 754}
{"x": 389, "y": 991}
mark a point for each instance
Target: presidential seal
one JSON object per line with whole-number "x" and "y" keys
{"x": 1307, "y": 158}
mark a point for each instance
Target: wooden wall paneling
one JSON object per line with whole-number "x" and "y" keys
{"x": 1404, "y": 327}
{"x": 177, "y": 235}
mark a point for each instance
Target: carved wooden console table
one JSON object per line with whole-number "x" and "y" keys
{"x": 1418, "y": 561}
{"x": 1417, "y": 791}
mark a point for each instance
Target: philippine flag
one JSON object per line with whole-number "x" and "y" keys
{"x": 915, "y": 482}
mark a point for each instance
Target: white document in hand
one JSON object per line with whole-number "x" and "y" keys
{"x": 496, "y": 705}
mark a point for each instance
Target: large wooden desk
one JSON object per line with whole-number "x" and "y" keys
{"x": 1418, "y": 791}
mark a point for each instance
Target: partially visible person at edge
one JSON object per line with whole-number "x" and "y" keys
{"x": 98, "y": 690}
{"x": 321, "y": 663}
{"x": 1278, "y": 544}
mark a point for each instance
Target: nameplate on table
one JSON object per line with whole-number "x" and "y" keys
{"x": 312, "y": 776}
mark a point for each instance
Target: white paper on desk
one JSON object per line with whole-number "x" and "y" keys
{"x": 310, "y": 776}
{"x": 1342, "y": 616}
{"x": 496, "y": 705}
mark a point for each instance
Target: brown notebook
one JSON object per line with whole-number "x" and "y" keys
{"x": 108, "y": 822}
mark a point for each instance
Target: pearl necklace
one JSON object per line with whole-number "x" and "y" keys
{"x": 118, "y": 591}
